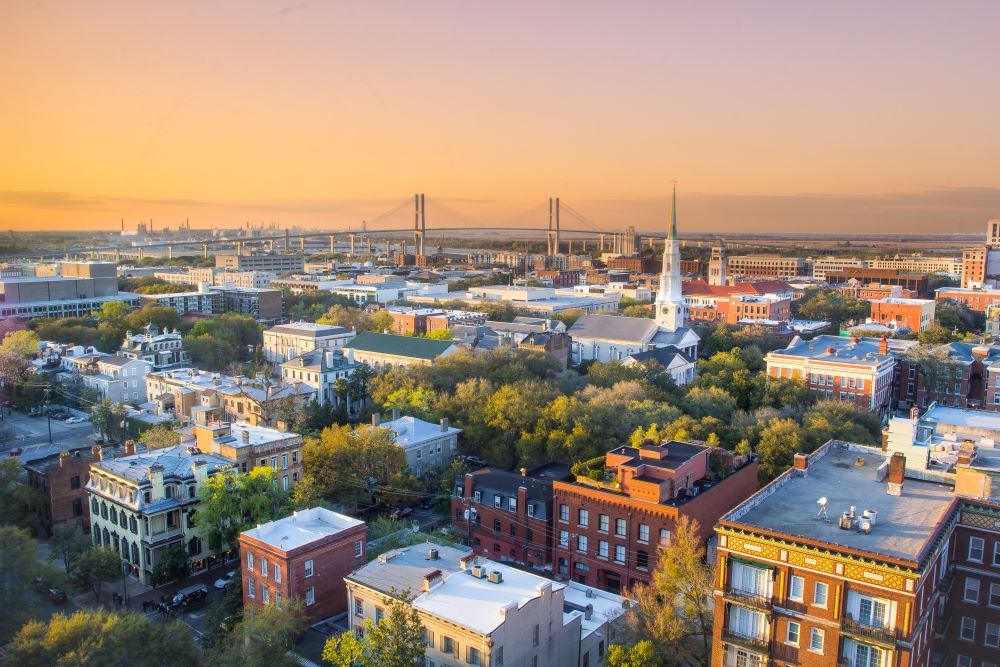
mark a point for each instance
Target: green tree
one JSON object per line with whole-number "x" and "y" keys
{"x": 569, "y": 317}
{"x": 780, "y": 440}
{"x": 112, "y": 310}
{"x": 935, "y": 334}
{"x": 211, "y": 353}
{"x": 24, "y": 343}
{"x": 418, "y": 402}
{"x": 381, "y": 321}
{"x": 638, "y": 655}
{"x": 19, "y": 502}
{"x": 674, "y": 611}
{"x": 159, "y": 437}
{"x": 830, "y": 304}
{"x": 68, "y": 544}
{"x": 637, "y": 311}
{"x": 18, "y": 566}
{"x": 839, "y": 420}
{"x": 345, "y": 316}
{"x": 439, "y": 334}
{"x": 96, "y": 567}
{"x": 161, "y": 317}
{"x": 231, "y": 501}
{"x": 100, "y": 637}
{"x": 264, "y": 638}
{"x": 395, "y": 641}
{"x": 173, "y": 564}
{"x": 958, "y": 317}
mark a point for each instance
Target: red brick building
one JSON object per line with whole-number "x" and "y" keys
{"x": 304, "y": 556}
{"x": 915, "y": 283}
{"x": 608, "y": 533}
{"x": 511, "y": 513}
{"x": 842, "y": 561}
{"x": 974, "y": 266}
{"x": 560, "y": 277}
{"x": 979, "y": 300}
{"x": 915, "y": 314}
{"x": 62, "y": 480}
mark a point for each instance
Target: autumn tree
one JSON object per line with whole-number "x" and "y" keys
{"x": 231, "y": 501}
{"x": 24, "y": 343}
{"x": 394, "y": 641}
{"x": 159, "y": 437}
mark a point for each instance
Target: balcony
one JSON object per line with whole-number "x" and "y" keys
{"x": 755, "y": 644}
{"x": 155, "y": 538}
{"x": 885, "y": 637}
{"x": 748, "y": 599}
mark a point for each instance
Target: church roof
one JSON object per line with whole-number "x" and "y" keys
{"x": 611, "y": 327}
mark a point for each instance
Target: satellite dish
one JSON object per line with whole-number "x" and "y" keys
{"x": 821, "y": 502}
{"x": 822, "y": 515}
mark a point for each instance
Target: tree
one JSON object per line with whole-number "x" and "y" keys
{"x": 24, "y": 343}
{"x": 345, "y": 316}
{"x": 637, "y": 311}
{"x": 395, "y": 641}
{"x": 112, "y": 310}
{"x": 381, "y": 321}
{"x": 830, "y": 304}
{"x": 68, "y": 544}
{"x": 439, "y": 334}
{"x": 231, "y": 501}
{"x": 839, "y": 420}
{"x": 418, "y": 402}
{"x": 958, "y": 317}
{"x": 14, "y": 369}
{"x": 100, "y": 419}
{"x": 569, "y": 317}
{"x": 18, "y": 566}
{"x": 160, "y": 436}
{"x": 674, "y": 611}
{"x": 95, "y": 568}
{"x": 263, "y": 638}
{"x": 19, "y": 502}
{"x": 780, "y": 440}
{"x": 102, "y": 637}
{"x": 211, "y": 353}
{"x": 639, "y": 655}
{"x": 161, "y": 317}
{"x": 935, "y": 334}
{"x": 173, "y": 564}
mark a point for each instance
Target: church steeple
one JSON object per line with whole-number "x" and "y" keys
{"x": 670, "y": 310}
{"x": 673, "y": 215}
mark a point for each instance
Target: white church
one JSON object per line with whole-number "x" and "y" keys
{"x": 633, "y": 339}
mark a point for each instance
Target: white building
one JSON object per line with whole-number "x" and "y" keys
{"x": 119, "y": 379}
{"x": 428, "y": 446}
{"x": 162, "y": 350}
{"x": 320, "y": 369}
{"x": 476, "y": 611}
{"x": 287, "y": 341}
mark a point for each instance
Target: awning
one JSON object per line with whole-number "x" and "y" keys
{"x": 752, "y": 563}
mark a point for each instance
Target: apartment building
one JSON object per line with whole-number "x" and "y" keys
{"x": 287, "y": 341}
{"x": 979, "y": 299}
{"x": 61, "y": 481}
{"x": 912, "y": 314}
{"x": 609, "y": 527}
{"x": 251, "y": 447}
{"x": 261, "y": 304}
{"x": 766, "y": 266}
{"x": 321, "y": 370}
{"x": 858, "y": 370}
{"x": 974, "y": 267}
{"x": 820, "y": 266}
{"x": 967, "y": 377}
{"x": 506, "y": 515}
{"x": 846, "y": 559}
{"x": 81, "y": 289}
{"x": 302, "y": 557}
{"x": 919, "y": 264}
{"x": 162, "y": 350}
{"x": 480, "y": 612}
{"x": 416, "y": 321}
{"x": 141, "y": 504}
{"x": 118, "y": 379}
{"x": 273, "y": 262}
{"x": 428, "y": 446}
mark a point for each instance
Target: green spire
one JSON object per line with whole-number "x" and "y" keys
{"x": 673, "y": 215}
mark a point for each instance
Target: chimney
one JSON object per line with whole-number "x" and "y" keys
{"x": 800, "y": 462}
{"x": 63, "y": 458}
{"x": 444, "y": 425}
{"x": 245, "y": 435}
{"x": 885, "y": 439}
{"x": 915, "y": 412}
{"x": 431, "y": 579}
{"x": 376, "y": 419}
{"x": 524, "y": 472}
{"x": 883, "y": 345}
{"x": 156, "y": 481}
{"x": 97, "y": 453}
{"x": 395, "y": 414}
{"x": 200, "y": 470}
{"x": 897, "y": 470}
{"x": 130, "y": 447}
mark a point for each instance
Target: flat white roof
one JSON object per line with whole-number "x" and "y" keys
{"x": 412, "y": 431}
{"x": 257, "y": 435}
{"x": 476, "y": 603}
{"x": 904, "y": 302}
{"x": 607, "y": 606}
{"x": 971, "y": 419}
{"x": 302, "y": 528}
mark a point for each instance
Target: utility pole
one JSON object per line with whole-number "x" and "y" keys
{"x": 48, "y": 417}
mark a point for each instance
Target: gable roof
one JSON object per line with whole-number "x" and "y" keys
{"x": 400, "y": 346}
{"x": 612, "y": 327}
{"x": 662, "y": 355}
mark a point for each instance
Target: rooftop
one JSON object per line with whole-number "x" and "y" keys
{"x": 176, "y": 462}
{"x": 403, "y": 570}
{"x": 255, "y": 435}
{"x": 613, "y": 327}
{"x": 845, "y": 474}
{"x": 895, "y": 300}
{"x": 310, "y": 329}
{"x": 412, "y": 431}
{"x": 606, "y": 606}
{"x": 678, "y": 453}
{"x": 837, "y": 349}
{"x": 302, "y": 528}
{"x": 400, "y": 346}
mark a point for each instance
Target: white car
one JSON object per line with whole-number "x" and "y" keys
{"x": 222, "y": 581}
{"x": 75, "y": 420}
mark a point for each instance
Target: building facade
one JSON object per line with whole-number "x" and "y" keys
{"x": 913, "y": 314}
{"x": 766, "y": 266}
{"x": 118, "y": 379}
{"x": 383, "y": 352}
{"x": 251, "y": 447}
{"x": 61, "y": 479}
{"x": 977, "y": 299}
{"x": 287, "y": 341}
{"x": 161, "y": 350}
{"x": 325, "y": 371}
{"x": 274, "y": 263}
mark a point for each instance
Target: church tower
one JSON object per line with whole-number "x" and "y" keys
{"x": 670, "y": 309}
{"x": 718, "y": 264}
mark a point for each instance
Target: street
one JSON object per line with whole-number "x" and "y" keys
{"x": 31, "y": 434}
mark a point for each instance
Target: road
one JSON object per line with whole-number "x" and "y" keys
{"x": 31, "y": 434}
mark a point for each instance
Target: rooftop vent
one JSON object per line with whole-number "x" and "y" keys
{"x": 496, "y": 577}
{"x": 432, "y": 554}
{"x": 478, "y": 571}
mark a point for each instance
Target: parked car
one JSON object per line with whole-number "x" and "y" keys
{"x": 17, "y": 451}
{"x": 57, "y": 595}
{"x": 224, "y": 579}
{"x": 75, "y": 420}
{"x": 476, "y": 461}
{"x": 402, "y": 513}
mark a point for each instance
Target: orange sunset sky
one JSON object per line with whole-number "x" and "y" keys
{"x": 773, "y": 116}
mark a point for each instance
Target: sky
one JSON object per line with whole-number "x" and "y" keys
{"x": 776, "y": 116}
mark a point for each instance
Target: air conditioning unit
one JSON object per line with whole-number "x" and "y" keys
{"x": 496, "y": 577}
{"x": 478, "y": 571}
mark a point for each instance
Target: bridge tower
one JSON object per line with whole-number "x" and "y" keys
{"x": 419, "y": 224}
{"x": 553, "y": 234}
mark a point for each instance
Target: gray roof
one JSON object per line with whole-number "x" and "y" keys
{"x": 310, "y": 331}
{"x": 538, "y": 482}
{"x": 611, "y": 327}
{"x": 317, "y": 360}
{"x": 176, "y": 462}
{"x": 118, "y": 360}
{"x": 403, "y": 570}
{"x": 844, "y": 350}
{"x": 662, "y": 355}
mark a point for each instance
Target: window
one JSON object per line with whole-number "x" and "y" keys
{"x": 792, "y": 634}
{"x": 429, "y": 637}
{"x": 263, "y": 566}
{"x": 498, "y": 656}
{"x": 796, "y": 586}
{"x": 448, "y": 645}
{"x": 872, "y": 612}
{"x": 816, "y": 640}
{"x": 967, "y": 632}
{"x": 994, "y": 600}
{"x": 496, "y": 501}
{"x": 310, "y": 596}
{"x": 619, "y": 554}
{"x": 512, "y": 504}
{"x": 529, "y": 535}
{"x": 379, "y": 614}
{"x": 564, "y": 538}
{"x": 820, "y": 594}
{"x": 751, "y": 580}
{"x": 359, "y": 608}
{"x": 644, "y": 533}
{"x": 277, "y": 599}
{"x": 249, "y": 560}
{"x": 534, "y": 636}
{"x": 867, "y": 656}
{"x": 602, "y": 548}
{"x": 971, "y": 593}
{"x": 74, "y": 482}
{"x": 531, "y": 511}
{"x": 265, "y": 594}
{"x": 620, "y": 527}
{"x": 641, "y": 560}
{"x": 664, "y": 537}
{"x": 477, "y": 496}
{"x": 309, "y": 568}
{"x": 513, "y": 529}
{"x": 284, "y": 461}
{"x": 473, "y": 657}
{"x": 603, "y": 522}
{"x": 497, "y": 526}
{"x": 976, "y": 546}
{"x": 581, "y": 543}
{"x": 564, "y": 512}
{"x": 996, "y": 552}
{"x": 251, "y": 588}
{"x": 583, "y": 518}
{"x": 992, "y": 638}
{"x": 359, "y": 548}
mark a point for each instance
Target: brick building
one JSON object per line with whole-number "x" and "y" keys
{"x": 914, "y": 314}
{"x": 303, "y": 557}
{"x": 511, "y": 513}
{"x": 637, "y": 264}
{"x": 560, "y": 277}
{"x": 977, "y": 299}
{"x": 974, "y": 267}
{"x": 608, "y": 532}
{"x": 61, "y": 479}
{"x": 766, "y": 266}
{"x": 967, "y": 377}
{"x": 845, "y": 561}
{"x": 916, "y": 283}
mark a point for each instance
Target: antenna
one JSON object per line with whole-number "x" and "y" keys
{"x": 821, "y": 515}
